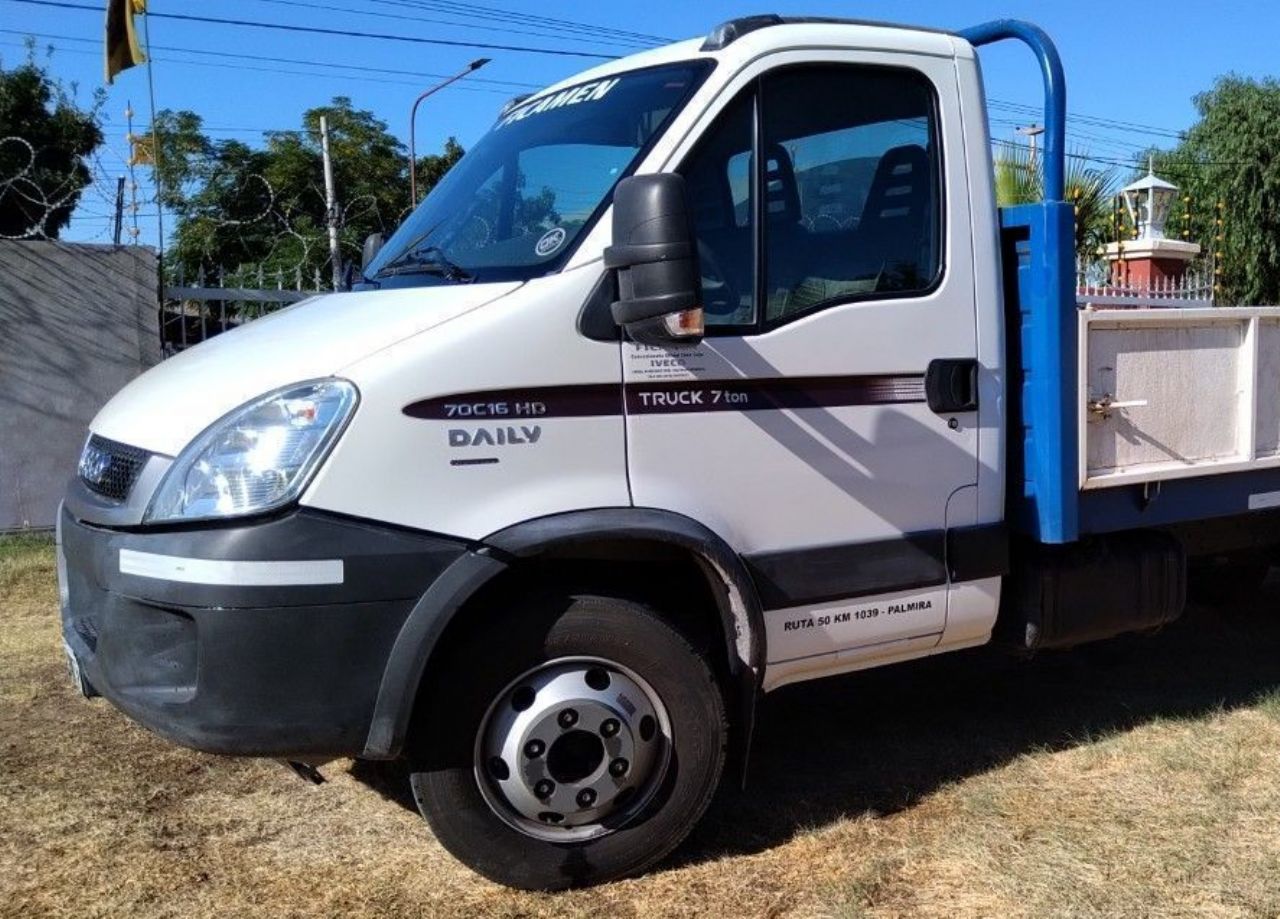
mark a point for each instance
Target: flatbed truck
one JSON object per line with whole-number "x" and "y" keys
{"x": 707, "y": 371}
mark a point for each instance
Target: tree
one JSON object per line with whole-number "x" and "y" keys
{"x": 1020, "y": 180}
{"x": 264, "y": 208}
{"x": 431, "y": 168}
{"x": 45, "y": 142}
{"x": 1231, "y": 157}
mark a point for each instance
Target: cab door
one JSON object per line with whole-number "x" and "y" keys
{"x": 831, "y": 218}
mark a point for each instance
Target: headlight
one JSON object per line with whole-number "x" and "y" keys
{"x": 258, "y": 457}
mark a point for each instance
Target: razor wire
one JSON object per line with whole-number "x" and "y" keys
{"x": 21, "y": 191}
{"x": 91, "y": 199}
{"x": 294, "y": 233}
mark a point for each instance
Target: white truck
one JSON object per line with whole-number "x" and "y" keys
{"x": 704, "y": 372}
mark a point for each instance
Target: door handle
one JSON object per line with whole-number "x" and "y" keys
{"x": 951, "y": 385}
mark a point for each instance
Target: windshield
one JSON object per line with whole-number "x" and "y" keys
{"x": 513, "y": 206}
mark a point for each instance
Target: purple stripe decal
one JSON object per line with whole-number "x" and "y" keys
{"x": 673, "y": 397}
{"x": 587, "y": 400}
{"x": 782, "y": 393}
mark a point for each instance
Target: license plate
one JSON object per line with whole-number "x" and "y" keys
{"x": 73, "y": 668}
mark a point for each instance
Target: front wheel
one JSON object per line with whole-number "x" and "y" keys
{"x": 573, "y": 741}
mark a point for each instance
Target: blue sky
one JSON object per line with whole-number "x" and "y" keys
{"x": 1135, "y": 63}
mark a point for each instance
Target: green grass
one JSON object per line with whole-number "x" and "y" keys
{"x": 17, "y": 544}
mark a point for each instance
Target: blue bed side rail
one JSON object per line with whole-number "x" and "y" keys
{"x": 1108, "y": 510}
{"x": 1038, "y": 254}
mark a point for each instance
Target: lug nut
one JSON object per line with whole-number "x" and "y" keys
{"x": 610, "y": 727}
{"x": 618, "y": 768}
{"x": 544, "y": 788}
{"x": 568, "y": 718}
{"x": 586, "y": 797}
{"x": 534, "y": 748}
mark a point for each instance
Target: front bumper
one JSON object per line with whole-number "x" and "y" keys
{"x": 267, "y": 638}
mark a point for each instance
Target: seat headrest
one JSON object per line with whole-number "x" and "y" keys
{"x": 900, "y": 187}
{"x": 781, "y": 193}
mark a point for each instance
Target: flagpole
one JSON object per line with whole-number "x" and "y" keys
{"x": 155, "y": 140}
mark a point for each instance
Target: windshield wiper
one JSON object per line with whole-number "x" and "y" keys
{"x": 427, "y": 260}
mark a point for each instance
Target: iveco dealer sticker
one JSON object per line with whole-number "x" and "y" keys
{"x": 550, "y": 241}
{"x": 651, "y": 362}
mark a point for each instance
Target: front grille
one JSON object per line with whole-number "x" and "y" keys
{"x": 110, "y": 468}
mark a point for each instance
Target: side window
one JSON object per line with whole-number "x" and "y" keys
{"x": 718, "y": 180}
{"x": 851, "y": 186}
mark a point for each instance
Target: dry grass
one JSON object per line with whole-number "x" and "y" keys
{"x": 1136, "y": 778}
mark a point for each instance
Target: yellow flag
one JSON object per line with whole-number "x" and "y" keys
{"x": 141, "y": 150}
{"x": 122, "y": 47}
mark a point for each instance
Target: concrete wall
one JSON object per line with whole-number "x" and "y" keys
{"x": 77, "y": 322}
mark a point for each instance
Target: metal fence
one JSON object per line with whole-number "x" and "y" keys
{"x": 195, "y": 309}
{"x": 1194, "y": 289}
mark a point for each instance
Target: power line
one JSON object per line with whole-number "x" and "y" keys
{"x": 1095, "y": 120}
{"x": 493, "y": 12}
{"x": 1084, "y": 157}
{"x": 1018, "y": 108}
{"x": 334, "y": 76}
{"x": 1103, "y": 121}
{"x": 282, "y": 60}
{"x": 1090, "y": 139}
{"x": 1136, "y": 164}
{"x": 630, "y": 43}
{"x": 285, "y": 70}
{"x": 340, "y": 33}
{"x": 508, "y": 15}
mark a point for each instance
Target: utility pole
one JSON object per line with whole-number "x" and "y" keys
{"x": 1031, "y": 132}
{"x": 119, "y": 209}
{"x": 331, "y": 204}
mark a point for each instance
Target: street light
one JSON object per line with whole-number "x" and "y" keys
{"x": 1031, "y": 132}
{"x": 413, "y": 115}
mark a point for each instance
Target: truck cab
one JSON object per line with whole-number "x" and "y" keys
{"x": 704, "y": 372}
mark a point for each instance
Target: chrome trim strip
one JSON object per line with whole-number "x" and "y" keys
{"x": 230, "y": 573}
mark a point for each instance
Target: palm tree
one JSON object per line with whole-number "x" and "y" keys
{"x": 1020, "y": 180}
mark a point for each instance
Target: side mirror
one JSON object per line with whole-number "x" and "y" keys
{"x": 372, "y": 243}
{"x": 655, "y": 255}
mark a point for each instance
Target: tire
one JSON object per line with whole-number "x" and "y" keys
{"x": 558, "y": 645}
